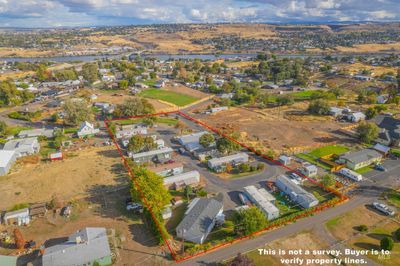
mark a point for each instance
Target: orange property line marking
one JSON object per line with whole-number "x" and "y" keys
{"x": 275, "y": 225}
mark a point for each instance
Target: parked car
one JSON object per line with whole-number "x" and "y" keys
{"x": 380, "y": 167}
{"x": 383, "y": 208}
{"x": 137, "y": 207}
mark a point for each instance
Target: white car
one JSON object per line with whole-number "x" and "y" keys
{"x": 383, "y": 208}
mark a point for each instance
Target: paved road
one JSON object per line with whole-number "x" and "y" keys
{"x": 250, "y": 244}
{"x": 369, "y": 191}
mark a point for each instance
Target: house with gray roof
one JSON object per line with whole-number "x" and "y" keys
{"x": 7, "y": 160}
{"x": 295, "y": 192}
{"x": 162, "y": 154}
{"x": 191, "y": 141}
{"x": 200, "y": 218}
{"x": 217, "y": 163}
{"x": 48, "y": 133}
{"x": 390, "y": 130}
{"x": 84, "y": 247}
{"x": 23, "y": 147}
{"x": 263, "y": 200}
{"x": 361, "y": 158}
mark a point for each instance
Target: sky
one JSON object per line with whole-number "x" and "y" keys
{"x": 72, "y": 13}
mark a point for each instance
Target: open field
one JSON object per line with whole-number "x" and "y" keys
{"x": 73, "y": 177}
{"x": 302, "y": 240}
{"x": 370, "y": 48}
{"x": 169, "y": 96}
{"x": 186, "y": 91}
{"x": 375, "y": 70}
{"x": 273, "y": 131}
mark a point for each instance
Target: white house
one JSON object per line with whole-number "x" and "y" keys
{"x": 23, "y": 147}
{"x": 356, "y": 117}
{"x": 183, "y": 179}
{"x": 87, "y": 129}
{"x": 19, "y": 217}
{"x": 7, "y": 159}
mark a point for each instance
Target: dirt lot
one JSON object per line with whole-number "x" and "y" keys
{"x": 303, "y": 240}
{"x": 343, "y": 227}
{"x": 73, "y": 177}
{"x": 275, "y": 129}
{"x": 114, "y": 99}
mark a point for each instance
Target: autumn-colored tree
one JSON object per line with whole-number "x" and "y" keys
{"x": 19, "y": 239}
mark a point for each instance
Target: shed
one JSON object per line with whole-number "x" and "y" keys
{"x": 20, "y": 217}
{"x": 283, "y": 159}
{"x": 381, "y": 148}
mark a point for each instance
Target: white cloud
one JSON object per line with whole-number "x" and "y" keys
{"x": 94, "y": 12}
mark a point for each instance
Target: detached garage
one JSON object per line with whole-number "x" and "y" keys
{"x": 7, "y": 159}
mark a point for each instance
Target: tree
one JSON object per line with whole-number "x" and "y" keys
{"x": 319, "y": 107}
{"x": 328, "y": 180}
{"x": 367, "y": 132}
{"x": 207, "y": 140}
{"x": 3, "y": 128}
{"x": 76, "y": 112}
{"x": 10, "y": 96}
{"x": 363, "y": 228}
{"x": 136, "y": 144}
{"x": 397, "y": 234}
{"x": 19, "y": 239}
{"x": 285, "y": 100}
{"x": 134, "y": 107}
{"x": 241, "y": 260}
{"x": 90, "y": 72}
{"x": 227, "y": 146}
{"x": 149, "y": 143}
{"x": 42, "y": 74}
{"x": 387, "y": 243}
{"x": 371, "y": 112}
{"x": 66, "y": 74}
{"x": 181, "y": 126}
{"x": 244, "y": 168}
{"x": 248, "y": 221}
{"x": 123, "y": 84}
{"x": 398, "y": 78}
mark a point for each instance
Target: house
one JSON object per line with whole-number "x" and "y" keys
{"x": 160, "y": 84}
{"x": 203, "y": 153}
{"x": 381, "y": 99}
{"x": 218, "y": 109}
{"x": 7, "y": 160}
{"x": 200, "y": 218}
{"x": 270, "y": 86}
{"x": 390, "y": 126}
{"x": 191, "y": 141}
{"x": 334, "y": 111}
{"x": 8, "y": 260}
{"x": 169, "y": 169}
{"x": 363, "y": 77}
{"x": 153, "y": 155}
{"x": 48, "y": 133}
{"x": 310, "y": 170}
{"x": 356, "y": 117}
{"x": 128, "y": 132}
{"x": 283, "y": 159}
{"x": 295, "y": 192}
{"x": 361, "y": 158}
{"x": 19, "y": 217}
{"x": 263, "y": 200}
{"x": 381, "y": 148}
{"x": 23, "y": 147}
{"x": 87, "y": 129}
{"x": 217, "y": 163}
{"x": 84, "y": 247}
{"x": 181, "y": 180}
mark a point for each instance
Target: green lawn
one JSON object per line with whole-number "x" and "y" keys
{"x": 15, "y": 130}
{"x": 365, "y": 169}
{"x": 169, "y": 96}
{"x": 162, "y": 120}
{"x": 327, "y": 150}
{"x": 396, "y": 152}
{"x": 394, "y": 198}
{"x": 313, "y": 160}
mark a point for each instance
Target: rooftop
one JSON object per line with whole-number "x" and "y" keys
{"x": 361, "y": 156}
{"x": 5, "y": 157}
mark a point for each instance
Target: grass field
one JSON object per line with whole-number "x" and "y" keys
{"x": 327, "y": 150}
{"x": 169, "y": 96}
{"x": 394, "y": 198}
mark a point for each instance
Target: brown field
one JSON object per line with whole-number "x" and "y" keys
{"x": 187, "y": 91}
{"x": 376, "y": 70}
{"x": 343, "y": 227}
{"x": 303, "y": 240}
{"x": 110, "y": 98}
{"x": 274, "y": 131}
{"x": 370, "y": 48}
{"x": 117, "y": 40}
{"x": 70, "y": 178}
{"x": 19, "y": 52}
{"x": 15, "y": 75}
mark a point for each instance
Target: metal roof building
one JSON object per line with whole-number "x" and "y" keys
{"x": 296, "y": 193}
{"x": 184, "y": 179}
{"x": 240, "y": 157}
{"x": 163, "y": 153}
{"x": 262, "y": 199}
{"x": 361, "y": 158}
{"x": 200, "y": 218}
{"x": 82, "y": 248}
{"x": 7, "y": 159}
